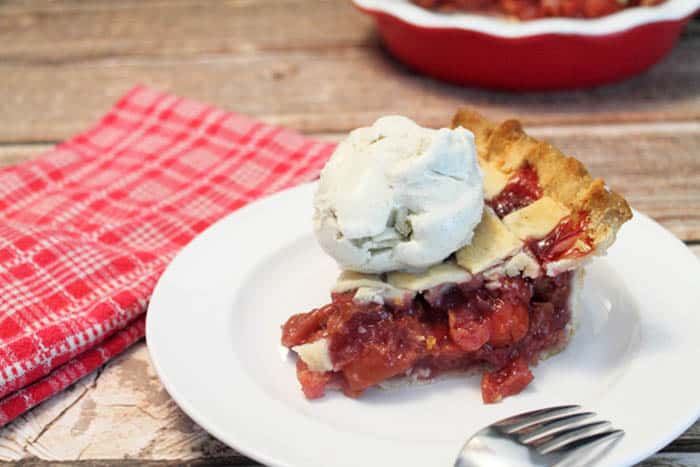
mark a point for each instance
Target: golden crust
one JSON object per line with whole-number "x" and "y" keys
{"x": 507, "y": 147}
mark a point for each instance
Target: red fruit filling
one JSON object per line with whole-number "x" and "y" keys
{"x": 313, "y": 383}
{"x": 507, "y": 381}
{"x": 470, "y": 327}
{"x": 567, "y": 240}
{"x": 521, "y": 190}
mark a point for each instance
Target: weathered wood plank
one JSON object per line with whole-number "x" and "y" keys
{"x": 47, "y": 33}
{"x": 122, "y": 412}
{"x": 672, "y": 460}
{"x": 667, "y": 460}
{"x": 15, "y": 153}
{"x": 23, "y": 437}
{"x": 324, "y": 90}
{"x": 655, "y": 166}
{"x": 223, "y": 462}
{"x": 64, "y": 62}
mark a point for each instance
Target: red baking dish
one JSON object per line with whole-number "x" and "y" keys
{"x": 551, "y": 53}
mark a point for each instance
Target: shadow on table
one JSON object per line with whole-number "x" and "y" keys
{"x": 667, "y": 85}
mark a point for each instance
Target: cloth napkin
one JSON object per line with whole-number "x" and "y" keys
{"x": 87, "y": 228}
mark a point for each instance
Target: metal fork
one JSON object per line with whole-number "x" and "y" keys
{"x": 555, "y": 436}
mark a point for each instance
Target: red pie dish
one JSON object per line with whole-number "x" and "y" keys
{"x": 551, "y": 53}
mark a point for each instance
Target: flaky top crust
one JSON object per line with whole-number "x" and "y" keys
{"x": 507, "y": 147}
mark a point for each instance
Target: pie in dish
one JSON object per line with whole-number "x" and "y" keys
{"x": 531, "y": 9}
{"x": 497, "y": 305}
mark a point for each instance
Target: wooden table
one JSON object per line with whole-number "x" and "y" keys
{"x": 316, "y": 66}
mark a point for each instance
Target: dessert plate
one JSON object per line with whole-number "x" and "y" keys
{"x": 213, "y": 332}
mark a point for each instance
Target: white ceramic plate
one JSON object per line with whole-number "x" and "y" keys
{"x": 213, "y": 332}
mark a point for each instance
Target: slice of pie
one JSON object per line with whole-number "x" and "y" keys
{"x": 497, "y": 306}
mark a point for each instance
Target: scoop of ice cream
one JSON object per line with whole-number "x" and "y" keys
{"x": 396, "y": 196}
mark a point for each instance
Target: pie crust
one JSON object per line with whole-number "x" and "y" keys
{"x": 507, "y": 148}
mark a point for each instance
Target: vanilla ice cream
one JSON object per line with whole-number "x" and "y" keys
{"x": 396, "y": 196}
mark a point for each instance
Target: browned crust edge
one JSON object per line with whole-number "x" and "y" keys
{"x": 507, "y": 147}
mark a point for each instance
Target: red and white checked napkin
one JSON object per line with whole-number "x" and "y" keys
{"x": 87, "y": 228}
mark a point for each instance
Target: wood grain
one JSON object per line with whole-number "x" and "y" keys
{"x": 15, "y": 153}
{"x": 120, "y": 412}
{"x": 313, "y": 89}
{"x": 633, "y": 159}
{"x": 323, "y": 91}
{"x": 672, "y": 460}
{"x": 667, "y": 460}
{"x": 324, "y": 71}
{"x": 46, "y": 33}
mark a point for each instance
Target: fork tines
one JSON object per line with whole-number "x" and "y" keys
{"x": 558, "y": 429}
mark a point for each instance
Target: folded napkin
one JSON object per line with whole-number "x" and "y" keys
{"x": 87, "y": 228}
